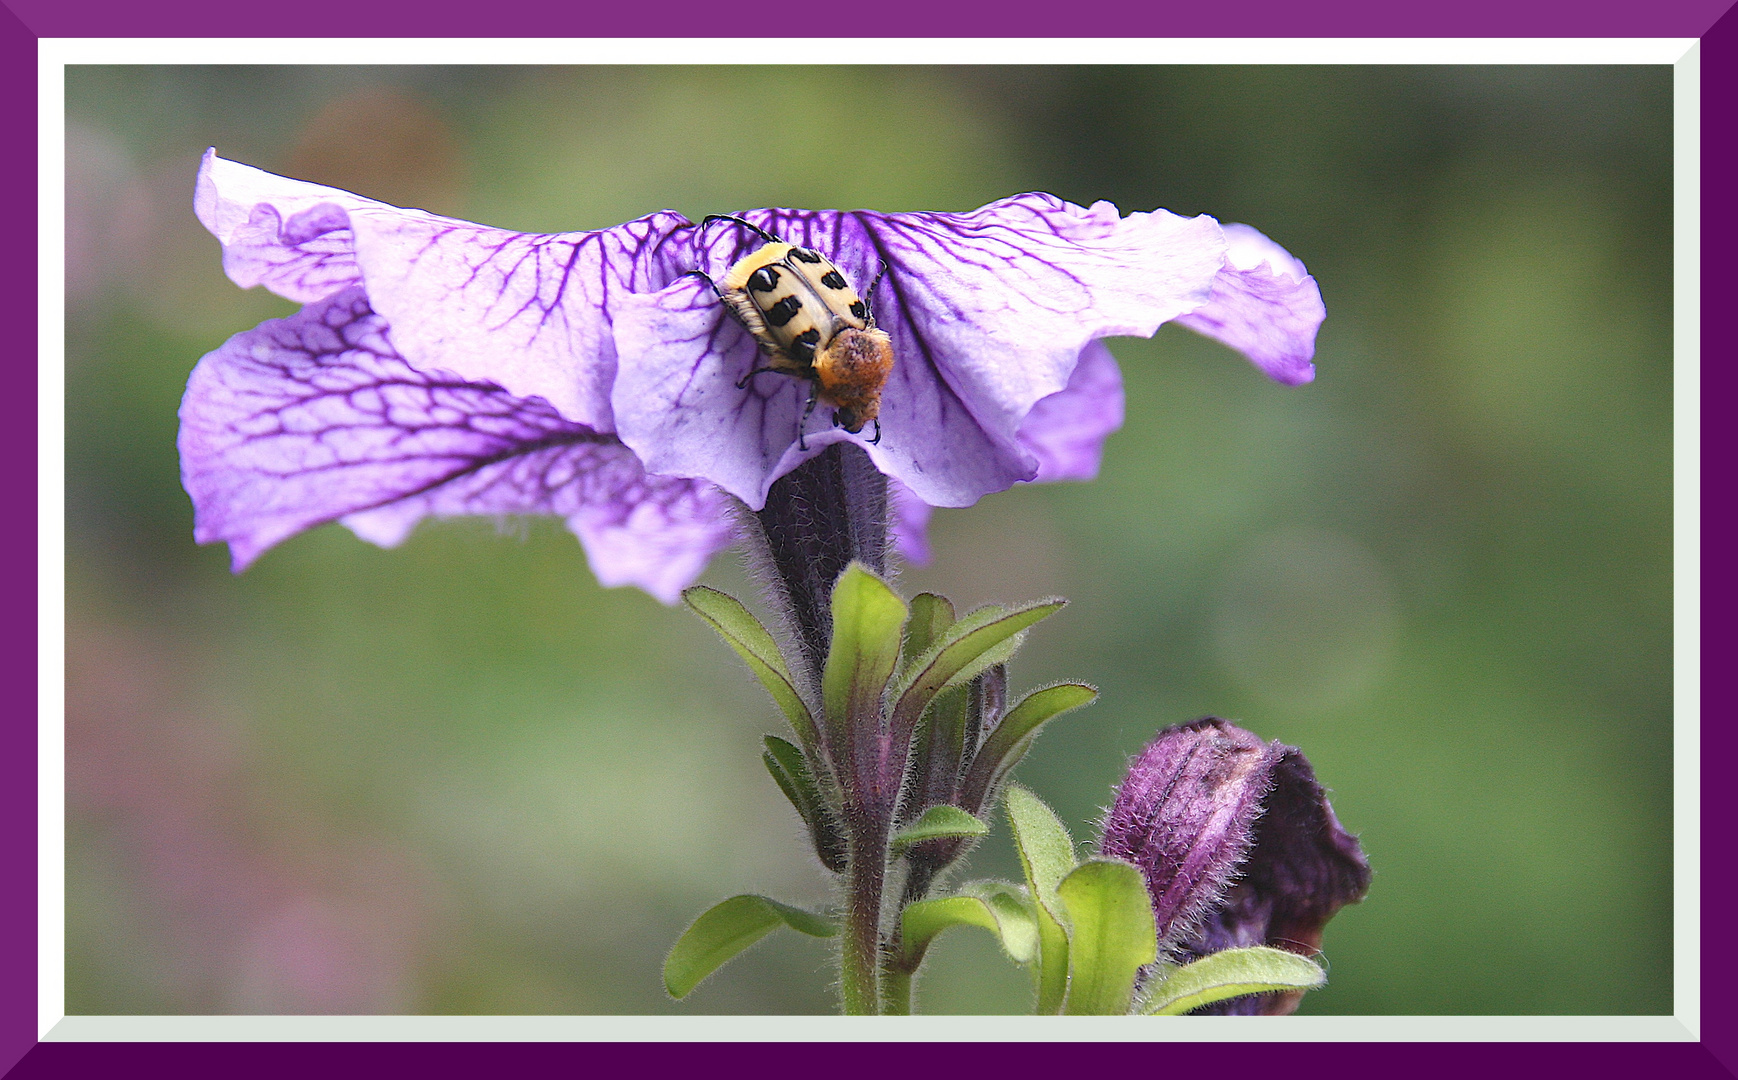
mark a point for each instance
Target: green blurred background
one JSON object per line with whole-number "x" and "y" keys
{"x": 460, "y": 777}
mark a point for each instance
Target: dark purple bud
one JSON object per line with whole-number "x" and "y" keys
{"x": 1238, "y": 845}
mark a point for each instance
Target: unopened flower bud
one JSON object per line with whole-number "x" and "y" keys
{"x": 1238, "y": 845}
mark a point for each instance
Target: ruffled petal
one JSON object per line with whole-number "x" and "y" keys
{"x": 910, "y": 523}
{"x": 528, "y": 312}
{"x": 316, "y": 417}
{"x": 1265, "y": 305}
{"x": 676, "y": 401}
{"x": 288, "y": 235}
{"x": 990, "y": 314}
{"x": 989, "y": 311}
{"x": 1066, "y": 431}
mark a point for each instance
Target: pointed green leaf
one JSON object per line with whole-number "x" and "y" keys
{"x": 938, "y": 822}
{"x": 781, "y": 776}
{"x": 789, "y": 762}
{"x": 867, "y": 620}
{"x": 931, "y": 615}
{"x": 1111, "y": 936}
{"x": 744, "y": 633}
{"x": 1047, "y": 856}
{"x": 726, "y": 929}
{"x": 997, "y": 907}
{"x": 954, "y": 631}
{"x": 989, "y": 658}
{"x": 967, "y": 650}
{"x": 1229, "y": 974}
{"x": 1017, "y": 916}
{"x": 791, "y": 773}
{"x": 1046, "y": 849}
{"x": 1010, "y": 739}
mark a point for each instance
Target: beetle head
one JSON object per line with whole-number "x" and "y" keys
{"x": 851, "y": 369}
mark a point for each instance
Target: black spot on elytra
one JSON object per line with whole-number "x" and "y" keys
{"x": 860, "y": 309}
{"x": 807, "y": 255}
{"x": 832, "y": 279}
{"x": 783, "y": 311}
{"x": 763, "y": 280}
{"x": 803, "y": 345}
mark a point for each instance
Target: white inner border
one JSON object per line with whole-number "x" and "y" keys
{"x": 54, "y": 54}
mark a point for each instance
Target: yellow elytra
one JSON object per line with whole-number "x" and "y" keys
{"x": 811, "y": 325}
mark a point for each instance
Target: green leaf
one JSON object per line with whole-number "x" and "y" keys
{"x": 867, "y": 619}
{"x": 1111, "y": 936}
{"x": 787, "y": 783}
{"x": 997, "y": 907}
{"x": 1047, "y": 855}
{"x": 989, "y": 658}
{"x": 728, "y": 928}
{"x": 791, "y": 773}
{"x": 1229, "y": 974}
{"x": 968, "y": 649}
{"x": 1010, "y": 739}
{"x": 936, "y": 823}
{"x": 1017, "y": 916}
{"x": 931, "y": 615}
{"x": 918, "y": 660}
{"x": 1046, "y": 849}
{"x": 744, "y": 633}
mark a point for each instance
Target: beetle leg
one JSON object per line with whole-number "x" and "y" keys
{"x": 742, "y": 383}
{"x": 876, "y": 441}
{"x": 802, "y": 443}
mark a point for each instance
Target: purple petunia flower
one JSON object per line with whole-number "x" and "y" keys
{"x": 1237, "y": 843}
{"x": 443, "y": 367}
{"x": 990, "y": 312}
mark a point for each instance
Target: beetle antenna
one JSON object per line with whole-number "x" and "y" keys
{"x": 869, "y": 298}
{"x": 703, "y": 276}
{"x": 764, "y": 235}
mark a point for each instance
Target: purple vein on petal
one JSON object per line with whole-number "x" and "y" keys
{"x": 988, "y": 312}
{"x": 528, "y": 312}
{"x": 316, "y": 418}
{"x": 1265, "y": 305}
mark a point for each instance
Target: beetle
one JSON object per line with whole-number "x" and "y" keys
{"x": 811, "y": 325}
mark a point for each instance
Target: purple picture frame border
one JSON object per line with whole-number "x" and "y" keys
{"x": 23, "y": 22}
{"x": 903, "y": 18}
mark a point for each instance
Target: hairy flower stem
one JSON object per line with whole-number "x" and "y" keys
{"x": 896, "y": 991}
{"x": 818, "y": 519}
{"x": 830, "y": 510}
{"x": 860, "y": 943}
{"x": 870, "y": 801}
{"x": 898, "y": 968}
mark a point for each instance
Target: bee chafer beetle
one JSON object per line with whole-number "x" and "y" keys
{"x": 810, "y": 325}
